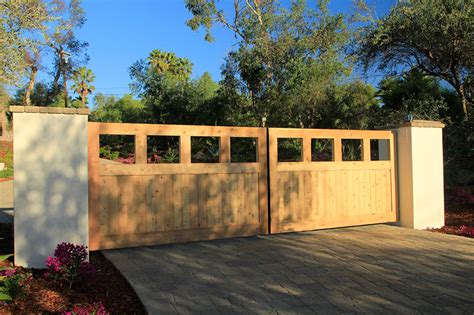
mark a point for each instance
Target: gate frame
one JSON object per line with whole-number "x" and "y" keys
{"x": 185, "y": 132}
{"x": 336, "y": 164}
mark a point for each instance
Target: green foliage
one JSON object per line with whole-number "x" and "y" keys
{"x": 111, "y": 109}
{"x": 107, "y": 153}
{"x": 6, "y": 156}
{"x": 22, "y": 23}
{"x": 82, "y": 78}
{"x": 10, "y": 281}
{"x": 171, "y": 156}
{"x": 168, "y": 95}
{"x": 289, "y": 62}
{"x": 433, "y": 36}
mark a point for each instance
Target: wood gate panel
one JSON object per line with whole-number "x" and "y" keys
{"x": 144, "y": 204}
{"x": 308, "y": 195}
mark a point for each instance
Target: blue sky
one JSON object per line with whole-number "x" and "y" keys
{"x": 120, "y": 32}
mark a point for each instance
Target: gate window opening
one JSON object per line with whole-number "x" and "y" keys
{"x": 243, "y": 150}
{"x": 205, "y": 149}
{"x": 379, "y": 150}
{"x": 322, "y": 150}
{"x": 290, "y": 149}
{"x": 117, "y": 149}
{"x": 351, "y": 149}
{"x": 162, "y": 149}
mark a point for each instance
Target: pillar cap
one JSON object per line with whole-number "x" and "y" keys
{"x": 418, "y": 124}
{"x": 49, "y": 110}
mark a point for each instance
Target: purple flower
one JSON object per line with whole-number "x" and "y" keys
{"x": 53, "y": 264}
{"x": 8, "y": 272}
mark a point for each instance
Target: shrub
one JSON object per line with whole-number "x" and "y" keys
{"x": 69, "y": 264}
{"x": 10, "y": 281}
{"x": 87, "y": 309}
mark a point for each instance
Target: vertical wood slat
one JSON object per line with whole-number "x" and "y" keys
{"x": 94, "y": 187}
{"x": 337, "y": 150}
{"x": 185, "y": 149}
{"x": 224, "y": 149}
{"x": 366, "y": 149}
{"x": 140, "y": 148}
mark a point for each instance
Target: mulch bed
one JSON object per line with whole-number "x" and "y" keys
{"x": 459, "y": 212}
{"x": 42, "y": 296}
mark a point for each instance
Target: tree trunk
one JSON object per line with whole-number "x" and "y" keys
{"x": 31, "y": 85}
{"x": 65, "y": 87}
{"x": 464, "y": 100}
{"x": 57, "y": 76}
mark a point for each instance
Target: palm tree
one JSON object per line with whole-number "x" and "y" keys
{"x": 83, "y": 78}
{"x": 167, "y": 62}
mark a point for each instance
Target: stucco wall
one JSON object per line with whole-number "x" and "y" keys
{"x": 51, "y": 184}
{"x": 420, "y": 175}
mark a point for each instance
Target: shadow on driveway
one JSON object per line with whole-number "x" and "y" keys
{"x": 369, "y": 269}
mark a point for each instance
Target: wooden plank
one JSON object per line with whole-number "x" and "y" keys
{"x": 171, "y": 169}
{"x": 177, "y": 202}
{"x": 185, "y": 149}
{"x": 202, "y": 209}
{"x": 307, "y": 193}
{"x": 173, "y": 130}
{"x": 194, "y": 201}
{"x": 234, "y": 198}
{"x": 167, "y": 206}
{"x": 366, "y": 150}
{"x": 212, "y": 206}
{"x": 167, "y": 237}
{"x": 161, "y": 187}
{"x": 140, "y": 149}
{"x": 151, "y": 203}
{"x": 124, "y": 205}
{"x": 112, "y": 191}
{"x": 104, "y": 206}
{"x": 224, "y": 149}
{"x": 331, "y": 166}
{"x": 263, "y": 182}
{"x": 226, "y": 195}
{"x": 186, "y": 200}
{"x": 140, "y": 192}
{"x": 94, "y": 187}
{"x": 241, "y": 201}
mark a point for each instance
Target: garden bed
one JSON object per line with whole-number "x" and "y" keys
{"x": 459, "y": 212}
{"x": 42, "y": 295}
{"x": 6, "y": 156}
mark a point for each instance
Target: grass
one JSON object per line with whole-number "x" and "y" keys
{"x": 6, "y": 156}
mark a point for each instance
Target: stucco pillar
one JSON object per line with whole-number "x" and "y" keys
{"x": 420, "y": 174}
{"x": 51, "y": 182}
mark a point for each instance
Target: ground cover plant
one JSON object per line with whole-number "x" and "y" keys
{"x": 6, "y": 156}
{"x": 49, "y": 291}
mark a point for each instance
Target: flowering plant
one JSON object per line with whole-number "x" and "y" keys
{"x": 69, "y": 264}
{"x": 10, "y": 281}
{"x": 87, "y": 309}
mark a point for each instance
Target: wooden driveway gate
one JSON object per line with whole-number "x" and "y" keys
{"x": 351, "y": 182}
{"x": 144, "y": 204}
{"x": 317, "y": 179}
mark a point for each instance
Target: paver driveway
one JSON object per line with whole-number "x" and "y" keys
{"x": 370, "y": 269}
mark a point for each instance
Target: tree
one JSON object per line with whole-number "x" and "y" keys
{"x": 169, "y": 95}
{"x": 433, "y": 36}
{"x": 23, "y": 23}
{"x": 167, "y": 62}
{"x": 281, "y": 52}
{"x": 82, "y": 78}
{"x": 67, "y": 49}
{"x": 111, "y": 109}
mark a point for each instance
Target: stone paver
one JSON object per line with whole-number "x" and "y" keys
{"x": 369, "y": 269}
